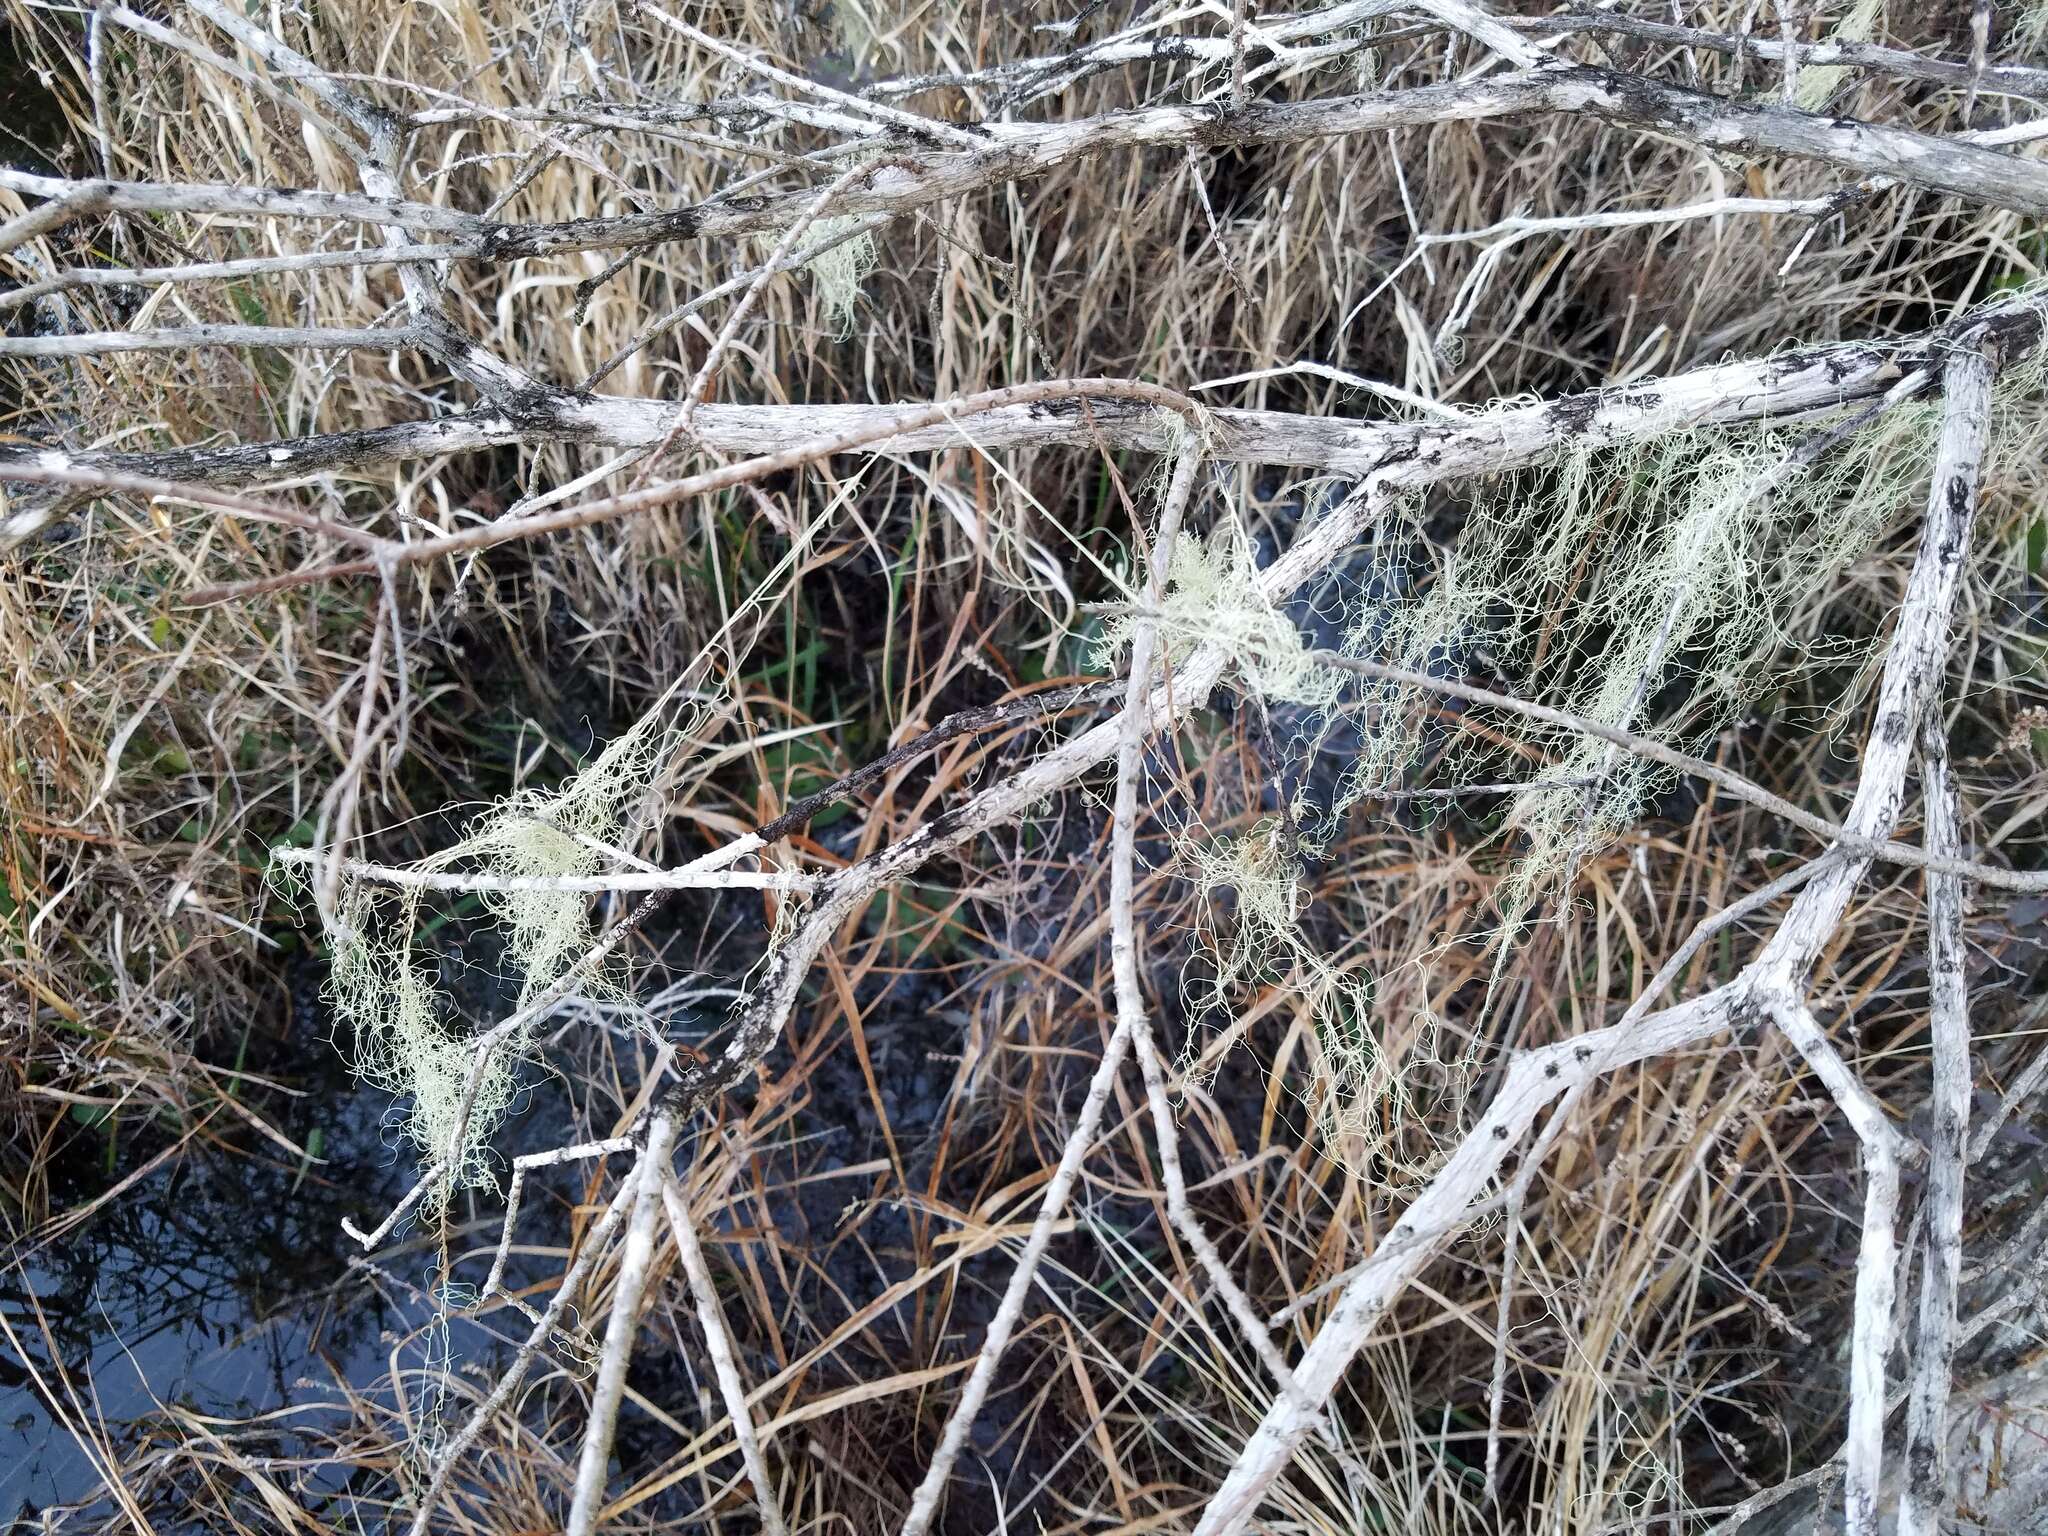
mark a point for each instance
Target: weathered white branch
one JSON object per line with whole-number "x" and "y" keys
{"x": 521, "y": 1166}
{"x": 1032, "y": 79}
{"x": 189, "y": 338}
{"x": 1020, "y": 151}
{"x": 41, "y": 220}
{"x": 1913, "y": 659}
{"x": 1913, "y": 663}
{"x": 1481, "y": 25}
{"x": 1532, "y": 1081}
{"x": 1785, "y": 386}
{"x": 711, "y": 1318}
{"x": 681, "y": 879}
{"x": 2011, "y": 79}
{"x": 384, "y": 1228}
{"x": 623, "y": 1324}
{"x": 1667, "y": 976}
{"x": 1877, "y": 1261}
{"x": 1925, "y": 1499}
{"x": 214, "y": 271}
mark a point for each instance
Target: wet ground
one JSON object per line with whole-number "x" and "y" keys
{"x": 214, "y": 1279}
{"x": 216, "y": 1282}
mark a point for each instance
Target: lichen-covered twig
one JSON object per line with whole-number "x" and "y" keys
{"x": 1132, "y": 1016}
{"x": 1772, "y": 984}
{"x": 1735, "y": 784}
{"x": 1131, "y": 732}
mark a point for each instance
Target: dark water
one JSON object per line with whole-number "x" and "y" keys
{"x": 217, "y": 1282}
{"x": 222, "y": 1283}
{"x": 33, "y": 133}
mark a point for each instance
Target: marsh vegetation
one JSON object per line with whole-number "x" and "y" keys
{"x": 948, "y": 768}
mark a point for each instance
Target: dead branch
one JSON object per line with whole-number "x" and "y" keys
{"x": 1021, "y": 151}
{"x": 648, "y": 1176}
{"x": 1786, "y": 387}
{"x": 1772, "y": 983}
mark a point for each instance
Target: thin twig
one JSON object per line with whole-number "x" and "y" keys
{"x": 1132, "y": 1016}
{"x": 543, "y": 1327}
{"x": 627, "y": 1286}
{"x": 718, "y": 1343}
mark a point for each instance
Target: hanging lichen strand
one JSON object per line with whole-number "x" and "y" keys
{"x": 387, "y": 994}
{"x": 1658, "y": 588}
{"x": 840, "y": 270}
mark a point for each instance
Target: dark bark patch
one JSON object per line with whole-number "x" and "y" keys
{"x": 1572, "y": 415}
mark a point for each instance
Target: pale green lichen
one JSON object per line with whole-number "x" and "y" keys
{"x": 1815, "y": 84}
{"x": 1659, "y": 587}
{"x": 838, "y": 273}
{"x": 1213, "y": 597}
{"x": 856, "y": 26}
{"x": 1648, "y": 587}
{"x": 385, "y": 991}
{"x": 2029, "y": 28}
{"x": 1252, "y": 902}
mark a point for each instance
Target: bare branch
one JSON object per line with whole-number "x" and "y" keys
{"x": 1020, "y": 151}
{"x": 1784, "y": 387}
{"x": 1482, "y": 26}
{"x": 711, "y": 1318}
{"x": 2011, "y": 79}
{"x": 393, "y": 554}
{"x": 187, "y": 338}
{"x": 211, "y": 271}
{"x": 1876, "y": 1258}
{"x": 1925, "y": 1500}
{"x": 631, "y": 1280}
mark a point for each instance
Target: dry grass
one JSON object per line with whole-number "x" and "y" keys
{"x": 1683, "y": 1245}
